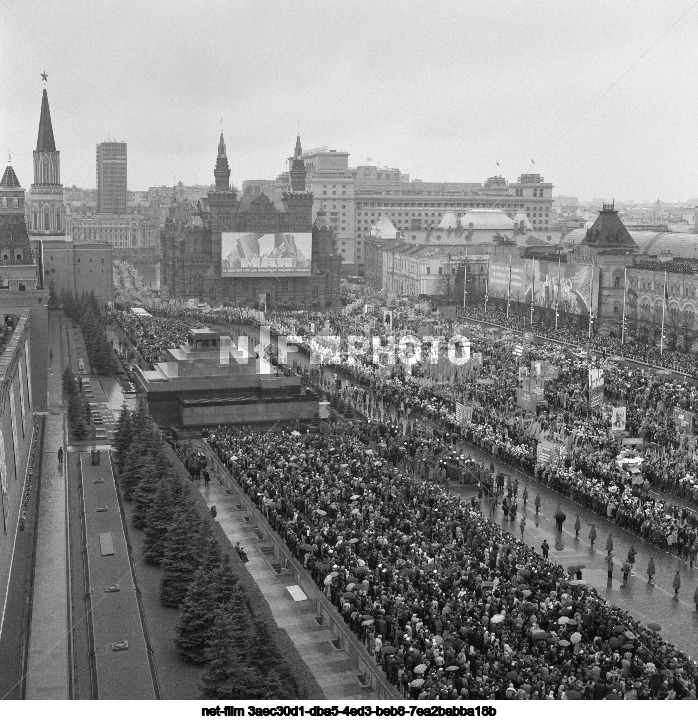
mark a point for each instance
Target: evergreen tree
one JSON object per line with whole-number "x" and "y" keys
{"x": 162, "y": 515}
{"x": 123, "y": 436}
{"x": 223, "y": 581}
{"x": 199, "y": 610}
{"x": 134, "y": 469}
{"x": 156, "y": 470}
{"x": 228, "y": 676}
{"x": 266, "y": 661}
{"x": 180, "y": 560}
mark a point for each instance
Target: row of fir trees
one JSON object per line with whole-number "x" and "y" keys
{"x": 78, "y": 407}
{"x": 217, "y": 625}
{"x": 85, "y": 311}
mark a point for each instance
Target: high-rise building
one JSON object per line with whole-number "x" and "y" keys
{"x": 46, "y": 210}
{"x": 112, "y": 192}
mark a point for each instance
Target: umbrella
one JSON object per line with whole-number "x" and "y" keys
{"x": 352, "y": 579}
{"x": 349, "y": 594}
{"x": 354, "y": 497}
{"x": 654, "y": 626}
{"x": 629, "y": 634}
{"x": 526, "y": 593}
{"x": 613, "y": 697}
{"x": 574, "y": 569}
{"x": 360, "y": 569}
{"x": 323, "y": 566}
{"x": 452, "y": 668}
{"x": 321, "y": 512}
{"x": 497, "y": 618}
{"x": 524, "y": 573}
{"x": 573, "y": 695}
{"x": 438, "y": 639}
{"x": 367, "y": 617}
{"x": 618, "y": 629}
{"x": 578, "y": 582}
{"x": 350, "y": 586}
{"x": 417, "y": 683}
{"x": 295, "y": 433}
{"x": 421, "y": 668}
{"x": 368, "y": 622}
{"x": 352, "y": 541}
{"x": 305, "y": 547}
{"x": 563, "y": 620}
{"x": 576, "y": 637}
{"x": 628, "y": 646}
{"x": 388, "y": 650}
{"x": 328, "y": 579}
{"x": 564, "y": 643}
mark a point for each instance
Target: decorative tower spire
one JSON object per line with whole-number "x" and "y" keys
{"x": 298, "y": 171}
{"x": 222, "y": 170}
{"x": 45, "y": 141}
{"x": 46, "y": 213}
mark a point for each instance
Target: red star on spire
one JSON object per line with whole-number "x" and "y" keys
{"x": 44, "y": 76}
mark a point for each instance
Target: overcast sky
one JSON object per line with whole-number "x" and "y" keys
{"x": 442, "y": 90}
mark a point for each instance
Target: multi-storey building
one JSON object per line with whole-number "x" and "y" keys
{"x": 112, "y": 192}
{"x": 131, "y": 236}
{"x": 355, "y": 198}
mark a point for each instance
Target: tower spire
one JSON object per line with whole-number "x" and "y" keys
{"x": 298, "y": 171}
{"x": 222, "y": 169}
{"x": 45, "y": 141}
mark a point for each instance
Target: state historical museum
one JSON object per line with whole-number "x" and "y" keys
{"x": 250, "y": 251}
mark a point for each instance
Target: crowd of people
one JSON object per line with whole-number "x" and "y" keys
{"x": 451, "y": 605}
{"x": 588, "y": 470}
{"x": 575, "y": 333}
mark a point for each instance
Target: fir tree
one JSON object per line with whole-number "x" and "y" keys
{"x": 228, "y": 676}
{"x": 123, "y": 436}
{"x": 134, "y": 469}
{"x": 156, "y": 470}
{"x": 162, "y": 515}
{"x": 267, "y": 662}
{"x": 199, "y": 609}
{"x": 223, "y": 581}
{"x": 180, "y": 559}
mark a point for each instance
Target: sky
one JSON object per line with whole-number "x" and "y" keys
{"x": 603, "y": 96}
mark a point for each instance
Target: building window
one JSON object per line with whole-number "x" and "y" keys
{"x": 22, "y": 287}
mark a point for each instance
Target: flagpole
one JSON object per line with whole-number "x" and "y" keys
{"x": 486, "y": 296}
{"x": 625, "y": 295}
{"x": 533, "y": 287}
{"x": 509, "y": 289}
{"x": 465, "y": 277}
{"x": 591, "y": 300}
{"x": 557, "y": 299}
{"x": 661, "y": 340}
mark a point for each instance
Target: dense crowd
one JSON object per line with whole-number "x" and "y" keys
{"x": 452, "y": 606}
{"x": 588, "y": 471}
{"x": 152, "y": 336}
{"x": 569, "y": 331}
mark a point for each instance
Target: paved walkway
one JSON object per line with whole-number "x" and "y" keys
{"x": 48, "y": 667}
{"x": 331, "y": 667}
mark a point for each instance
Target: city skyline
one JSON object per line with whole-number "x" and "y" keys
{"x": 490, "y": 90}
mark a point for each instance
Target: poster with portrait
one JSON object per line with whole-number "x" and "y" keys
{"x": 618, "y": 418}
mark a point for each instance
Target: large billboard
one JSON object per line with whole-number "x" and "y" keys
{"x": 573, "y": 286}
{"x": 264, "y": 254}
